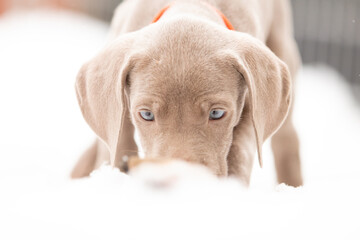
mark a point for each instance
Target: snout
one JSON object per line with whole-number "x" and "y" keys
{"x": 214, "y": 162}
{"x": 181, "y": 151}
{"x": 181, "y": 154}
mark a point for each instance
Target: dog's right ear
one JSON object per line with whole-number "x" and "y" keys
{"x": 100, "y": 90}
{"x": 269, "y": 84}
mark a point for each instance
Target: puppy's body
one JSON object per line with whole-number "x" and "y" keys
{"x": 253, "y": 17}
{"x": 186, "y": 55}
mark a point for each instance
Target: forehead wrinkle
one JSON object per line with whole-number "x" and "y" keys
{"x": 221, "y": 98}
{"x": 182, "y": 59}
{"x": 144, "y": 98}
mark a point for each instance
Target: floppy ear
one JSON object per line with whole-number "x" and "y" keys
{"x": 100, "y": 91}
{"x": 269, "y": 83}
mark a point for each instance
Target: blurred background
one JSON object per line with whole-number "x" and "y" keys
{"x": 327, "y": 31}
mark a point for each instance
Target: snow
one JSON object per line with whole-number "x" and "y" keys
{"x": 42, "y": 133}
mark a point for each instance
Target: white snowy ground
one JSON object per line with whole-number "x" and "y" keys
{"x": 42, "y": 133}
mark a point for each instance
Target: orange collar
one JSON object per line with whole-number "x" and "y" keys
{"x": 226, "y": 21}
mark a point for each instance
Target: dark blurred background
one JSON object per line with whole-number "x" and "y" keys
{"x": 327, "y": 31}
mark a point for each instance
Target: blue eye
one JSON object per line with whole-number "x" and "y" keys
{"x": 216, "y": 114}
{"x": 147, "y": 115}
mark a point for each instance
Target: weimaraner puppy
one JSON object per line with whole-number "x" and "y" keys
{"x": 204, "y": 81}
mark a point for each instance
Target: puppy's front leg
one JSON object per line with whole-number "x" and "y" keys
{"x": 98, "y": 154}
{"x": 243, "y": 148}
{"x": 285, "y": 146}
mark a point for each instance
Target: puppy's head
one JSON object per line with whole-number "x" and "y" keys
{"x": 184, "y": 84}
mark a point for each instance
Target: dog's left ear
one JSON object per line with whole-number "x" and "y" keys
{"x": 269, "y": 83}
{"x": 100, "y": 91}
